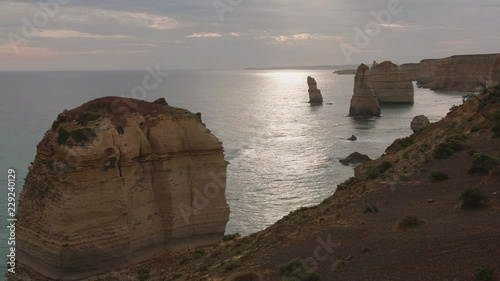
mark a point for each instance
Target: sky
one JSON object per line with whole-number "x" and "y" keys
{"x": 236, "y": 34}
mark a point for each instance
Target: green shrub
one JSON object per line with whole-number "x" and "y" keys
{"x": 475, "y": 128}
{"x": 55, "y": 125}
{"x": 143, "y": 274}
{"x": 482, "y": 163}
{"x": 451, "y": 145}
{"x": 348, "y": 183}
{"x": 229, "y": 237}
{"x": 296, "y": 270}
{"x": 405, "y": 142}
{"x": 496, "y": 115}
{"x": 98, "y": 106}
{"x": 472, "y": 198}
{"x": 410, "y": 222}
{"x": 81, "y": 136}
{"x": 120, "y": 130}
{"x": 111, "y": 162}
{"x": 384, "y": 167}
{"x": 232, "y": 264}
{"x": 63, "y": 136}
{"x": 490, "y": 95}
{"x": 496, "y": 129}
{"x": 85, "y": 118}
{"x": 485, "y": 273}
{"x": 198, "y": 254}
{"x": 436, "y": 176}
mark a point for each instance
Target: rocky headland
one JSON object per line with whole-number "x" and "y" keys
{"x": 117, "y": 182}
{"x": 464, "y": 73}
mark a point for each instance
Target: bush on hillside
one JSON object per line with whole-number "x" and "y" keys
{"x": 451, "y": 145}
{"x": 472, "y": 198}
{"x": 296, "y": 270}
{"x": 436, "y": 176}
{"x": 482, "y": 163}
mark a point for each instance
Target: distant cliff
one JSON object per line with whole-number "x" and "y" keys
{"x": 464, "y": 73}
{"x": 114, "y": 183}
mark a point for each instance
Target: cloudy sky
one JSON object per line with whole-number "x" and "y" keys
{"x": 234, "y": 34}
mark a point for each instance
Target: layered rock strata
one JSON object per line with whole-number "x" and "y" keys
{"x": 363, "y": 101}
{"x": 315, "y": 96}
{"x": 114, "y": 183}
{"x": 390, "y": 84}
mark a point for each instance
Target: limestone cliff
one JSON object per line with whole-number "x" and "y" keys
{"x": 114, "y": 183}
{"x": 390, "y": 84}
{"x": 412, "y": 70}
{"x": 465, "y": 73}
{"x": 363, "y": 102}
{"x": 315, "y": 96}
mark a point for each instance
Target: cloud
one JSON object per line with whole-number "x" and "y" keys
{"x": 65, "y": 33}
{"x": 6, "y": 50}
{"x": 204, "y": 35}
{"x": 151, "y": 21}
{"x": 405, "y": 27}
{"x": 300, "y": 37}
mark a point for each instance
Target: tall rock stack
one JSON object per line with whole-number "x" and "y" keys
{"x": 390, "y": 84}
{"x": 315, "y": 96}
{"x": 363, "y": 102}
{"x": 116, "y": 182}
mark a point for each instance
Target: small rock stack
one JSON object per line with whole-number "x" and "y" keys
{"x": 315, "y": 96}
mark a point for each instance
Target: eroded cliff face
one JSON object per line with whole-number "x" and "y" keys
{"x": 464, "y": 73}
{"x": 116, "y": 182}
{"x": 412, "y": 70}
{"x": 390, "y": 84}
{"x": 363, "y": 102}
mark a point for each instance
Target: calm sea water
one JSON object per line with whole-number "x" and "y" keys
{"x": 283, "y": 153}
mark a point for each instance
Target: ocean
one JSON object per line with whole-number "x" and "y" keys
{"x": 283, "y": 153}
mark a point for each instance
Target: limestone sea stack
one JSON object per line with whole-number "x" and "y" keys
{"x": 363, "y": 102}
{"x": 390, "y": 84}
{"x": 315, "y": 96}
{"x": 115, "y": 182}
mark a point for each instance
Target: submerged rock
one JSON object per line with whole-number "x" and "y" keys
{"x": 118, "y": 182}
{"x": 363, "y": 102}
{"x": 315, "y": 96}
{"x": 355, "y": 158}
{"x": 419, "y": 122}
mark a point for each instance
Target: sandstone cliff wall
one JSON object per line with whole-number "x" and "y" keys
{"x": 464, "y": 73}
{"x": 390, "y": 84}
{"x": 134, "y": 180}
{"x": 412, "y": 70}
